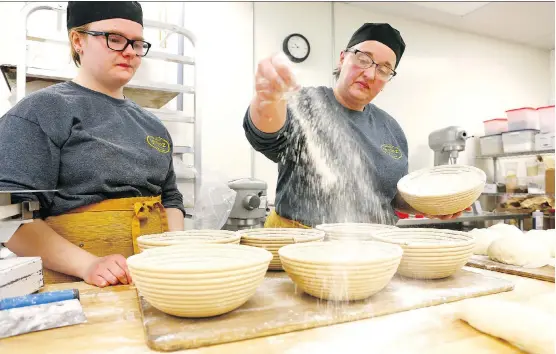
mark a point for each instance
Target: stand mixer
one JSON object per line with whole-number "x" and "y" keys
{"x": 250, "y": 207}
{"x": 447, "y": 144}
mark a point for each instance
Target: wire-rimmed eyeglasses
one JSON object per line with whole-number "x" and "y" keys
{"x": 364, "y": 61}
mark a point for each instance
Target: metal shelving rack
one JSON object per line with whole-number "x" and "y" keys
{"x": 512, "y": 154}
{"x": 509, "y": 194}
{"x": 150, "y": 95}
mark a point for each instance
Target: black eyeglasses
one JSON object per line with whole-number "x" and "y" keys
{"x": 365, "y": 61}
{"x": 119, "y": 43}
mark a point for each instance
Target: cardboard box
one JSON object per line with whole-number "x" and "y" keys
{"x": 20, "y": 276}
{"x": 549, "y": 181}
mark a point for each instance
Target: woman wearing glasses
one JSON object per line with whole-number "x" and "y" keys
{"x": 339, "y": 156}
{"x": 109, "y": 160}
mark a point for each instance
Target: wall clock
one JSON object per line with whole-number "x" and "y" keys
{"x": 296, "y": 47}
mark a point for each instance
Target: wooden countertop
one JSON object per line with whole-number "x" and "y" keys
{"x": 114, "y": 326}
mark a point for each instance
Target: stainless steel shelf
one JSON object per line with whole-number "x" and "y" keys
{"x": 146, "y": 94}
{"x": 183, "y": 150}
{"x": 173, "y": 58}
{"x": 173, "y": 116}
{"x": 464, "y": 218}
{"x": 502, "y": 194}
{"x": 515, "y": 154}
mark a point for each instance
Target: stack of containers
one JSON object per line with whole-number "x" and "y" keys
{"x": 523, "y": 126}
{"x": 545, "y": 139}
{"x": 491, "y": 143}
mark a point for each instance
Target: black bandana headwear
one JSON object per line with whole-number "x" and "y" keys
{"x": 80, "y": 13}
{"x": 380, "y": 32}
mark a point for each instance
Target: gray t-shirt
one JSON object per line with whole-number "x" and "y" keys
{"x": 89, "y": 146}
{"x": 334, "y": 164}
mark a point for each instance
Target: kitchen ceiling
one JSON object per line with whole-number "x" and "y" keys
{"x": 529, "y": 23}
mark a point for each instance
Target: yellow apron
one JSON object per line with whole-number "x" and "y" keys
{"x": 109, "y": 227}
{"x": 274, "y": 220}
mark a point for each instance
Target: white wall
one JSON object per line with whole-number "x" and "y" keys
{"x": 274, "y": 21}
{"x": 225, "y": 82}
{"x": 551, "y": 75}
{"x": 447, "y": 77}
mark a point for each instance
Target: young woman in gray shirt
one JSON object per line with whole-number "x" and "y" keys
{"x": 109, "y": 160}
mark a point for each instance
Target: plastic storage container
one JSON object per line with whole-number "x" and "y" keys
{"x": 519, "y": 141}
{"x": 491, "y": 145}
{"x": 544, "y": 141}
{"x": 496, "y": 126}
{"x": 511, "y": 180}
{"x": 546, "y": 119}
{"x": 522, "y": 118}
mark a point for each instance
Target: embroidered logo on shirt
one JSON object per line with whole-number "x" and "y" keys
{"x": 392, "y": 150}
{"x": 160, "y": 144}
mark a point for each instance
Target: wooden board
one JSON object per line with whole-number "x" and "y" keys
{"x": 278, "y": 307}
{"x": 545, "y": 273}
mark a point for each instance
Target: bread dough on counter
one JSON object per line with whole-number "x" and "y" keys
{"x": 483, "y": 239}
{"x": 519, "y": 251}
{"x": 506, "y": 230}
{"x": 546, "y": 237}
{"x": 525, "y": 327}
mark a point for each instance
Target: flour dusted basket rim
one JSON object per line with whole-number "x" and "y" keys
{"x": 352, "y": 228}
{"x": 280, "y": 235}
{"x": 177, "y": 237}
{"x": 198, "y": 258}
{"x": 442, "y": 181}
{"x": 341, "y": 253}
{"x": 426, "y": 238}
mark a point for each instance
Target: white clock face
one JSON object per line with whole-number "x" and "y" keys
{"x": 297, "y": 47}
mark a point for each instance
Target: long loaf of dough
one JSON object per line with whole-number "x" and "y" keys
{"x": 527, "y": 328}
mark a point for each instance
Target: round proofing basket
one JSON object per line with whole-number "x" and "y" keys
{"x": 272, "y": 239}
{"x": 190, "y": 236}
{"x": 341, "y": 271}
{"x": 442, "y": 190}
{"x": 351, "y": 231}
{"x": 429, "y": 253}
{"x": 198, "y": 280}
